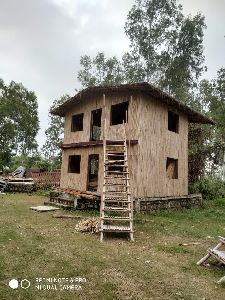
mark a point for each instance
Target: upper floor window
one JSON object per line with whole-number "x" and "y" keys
{"x": 119, "y": 113}
{"x": 77, "y": 122}
{"x": 173, "y": 122}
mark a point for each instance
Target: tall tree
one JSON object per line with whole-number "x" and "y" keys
{"x": 54, "y": 135}
{"x": 207, "y": 144}
{"x": 150, "y": 26}
{"x": 19, "y": 122}
{"x": 167, "y": 45}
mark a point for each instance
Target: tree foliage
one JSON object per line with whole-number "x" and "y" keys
{"x": 19, "y": 123}
{"x": 100, "y": 70}
{"x": 51, "y": 148}
{"x": 35, "y": 161}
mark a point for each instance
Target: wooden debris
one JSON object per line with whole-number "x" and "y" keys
{"x": 89, "y": 225}
{"x": 80, "y": 194}
{"x": 2, "y": 186}
{"x": 188, "y": 244}
{"x": 44, "y": 208}
{"x": 67, "y": 217}
{"x": 74, "y": 199}
{"x": 15, "y": 184}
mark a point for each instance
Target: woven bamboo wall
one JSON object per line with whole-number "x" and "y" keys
{"x": 79, "y": 181}
{"x": 156, "y": 143}
{"x": 87, "y": 105}
{"x": 148, "y": 123}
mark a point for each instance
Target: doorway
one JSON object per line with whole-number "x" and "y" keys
{"x": 93, "y": 165}
{"x": 96, "y": 117}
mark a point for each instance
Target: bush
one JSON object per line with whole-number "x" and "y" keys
{"x": 209, "y": 187}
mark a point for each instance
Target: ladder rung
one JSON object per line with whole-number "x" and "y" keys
{"x": 121, "y": 177}
{"x": 124, "y": 166}
{"x": 117, "y": 184}
{"x": 117, "y": 198}
{"x": 110, "y": 154}
{"x": 122, "y": 200}
{"x": 115, "y": 141}
{"x": 116, "y": 218}
{"x": 116, "y": 208}
{"x": 112, "y": 145}
{"x": 117, "y": 192}
{"x": 115, "y": 152}
{"x": 113, "y": 161}
{"x": 117, "y": 172}
{"x": 116, "y": 228}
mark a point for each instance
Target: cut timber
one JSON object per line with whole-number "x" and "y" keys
{"x": 117, "y": 172}
{"x": 88, "y": 225}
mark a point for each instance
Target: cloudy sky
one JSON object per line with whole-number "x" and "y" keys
{"x": 41, "y": 41}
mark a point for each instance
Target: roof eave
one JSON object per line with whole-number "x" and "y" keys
{"x": 193, "y": 116}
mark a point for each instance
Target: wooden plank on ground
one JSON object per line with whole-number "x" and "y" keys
{"x": 43, "y": 208}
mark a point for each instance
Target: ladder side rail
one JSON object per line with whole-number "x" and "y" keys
{"x": 104, "y": 169}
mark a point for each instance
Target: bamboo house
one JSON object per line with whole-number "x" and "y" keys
{"x": 157, "y": 137}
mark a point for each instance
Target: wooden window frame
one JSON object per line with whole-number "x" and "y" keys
{"x": 169, "y": 164}
{"x": 77, "y": 127}
{"x": 125, "y": 118}
{"x": 173, "y": 121}
{"x": 72, "y": 169}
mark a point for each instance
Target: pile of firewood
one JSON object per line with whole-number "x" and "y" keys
{"x": 88, "y": 225}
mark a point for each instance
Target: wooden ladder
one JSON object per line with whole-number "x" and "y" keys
{"x": 116, "y": 212}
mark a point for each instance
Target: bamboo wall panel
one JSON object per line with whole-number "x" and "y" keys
{"x": 148, "y": 123}
{"x": 156, "y": 143}
{"x": 86, "y": 106}
{"x": 79, "y": 181}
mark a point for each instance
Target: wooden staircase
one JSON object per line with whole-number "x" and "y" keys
{"x": 116, "y": 212}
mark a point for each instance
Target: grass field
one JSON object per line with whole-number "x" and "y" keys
{"x": 35, "y": 245}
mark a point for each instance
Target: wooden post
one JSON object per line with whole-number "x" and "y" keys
{"x": 104, "y": 158}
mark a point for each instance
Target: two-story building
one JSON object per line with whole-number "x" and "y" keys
{"x": 156, "y": 130}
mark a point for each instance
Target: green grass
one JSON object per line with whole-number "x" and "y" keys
{"x": 155, "y": 266}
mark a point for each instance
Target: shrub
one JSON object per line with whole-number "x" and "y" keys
{"x": 209, "y": 187}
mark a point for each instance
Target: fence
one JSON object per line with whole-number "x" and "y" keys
{"x": 45, "y": 180}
